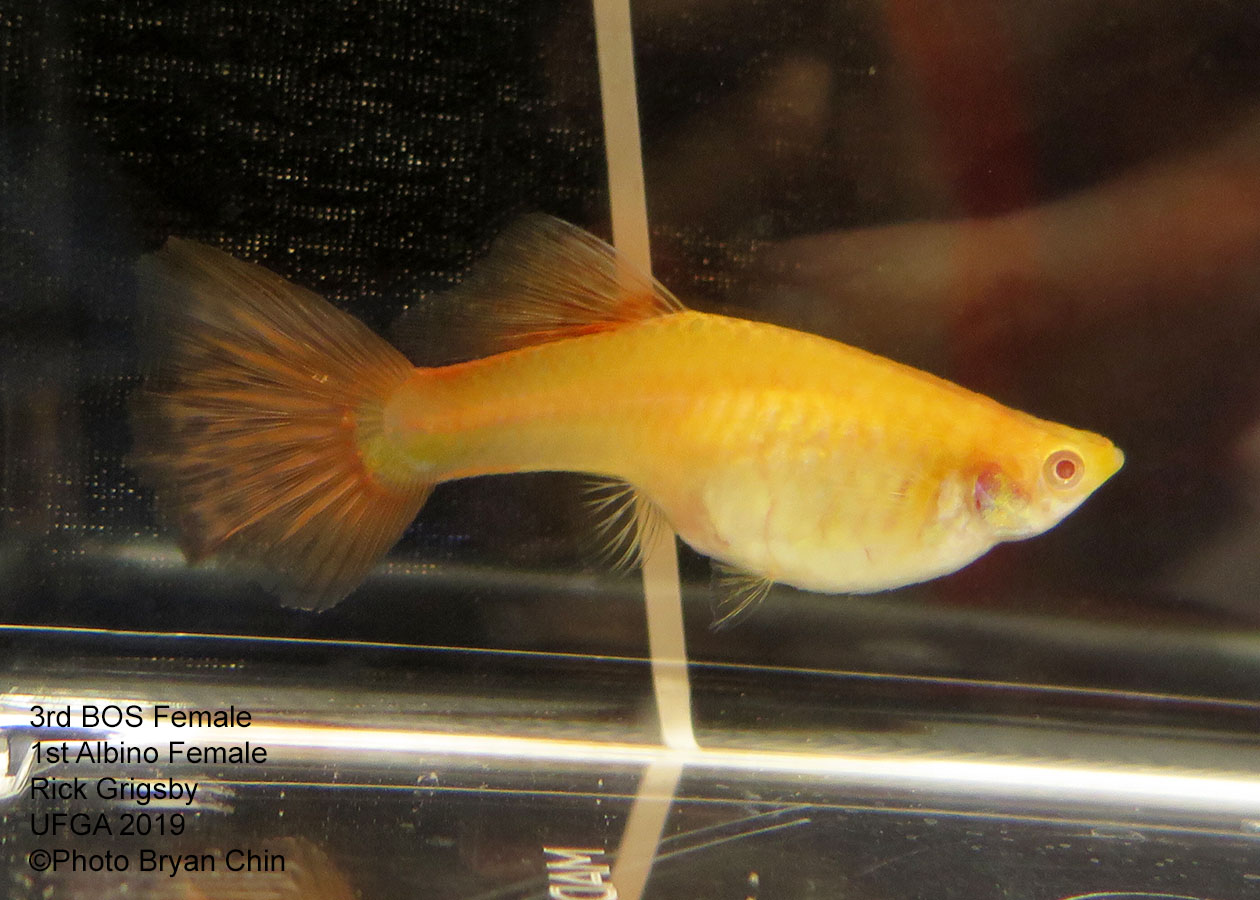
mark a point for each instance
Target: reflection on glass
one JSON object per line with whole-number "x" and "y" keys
{"x": 1053, "y": 204}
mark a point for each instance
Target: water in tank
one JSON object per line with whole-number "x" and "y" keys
{"x": 699, "y": 449}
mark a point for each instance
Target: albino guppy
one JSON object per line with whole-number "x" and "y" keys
{"x": 279, "y": 429}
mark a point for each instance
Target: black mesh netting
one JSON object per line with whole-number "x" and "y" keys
{"x": 814, "y": 163}
{"x": 368, "y": 150}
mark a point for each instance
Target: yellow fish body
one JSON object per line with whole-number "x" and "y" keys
{"x": 279, "y": 428}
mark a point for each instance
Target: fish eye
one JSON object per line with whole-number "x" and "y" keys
{"x": 1064, "y": 468}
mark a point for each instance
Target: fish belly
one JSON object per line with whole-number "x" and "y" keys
{"x": 780, "y": 453}
{"x": 823, "y": 490}
{"x": 801, "y": 522}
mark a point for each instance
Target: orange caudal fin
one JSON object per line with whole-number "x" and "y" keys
{"x": 251, "y": 426}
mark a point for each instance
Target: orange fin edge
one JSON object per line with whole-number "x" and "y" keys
{"x": 543, "y": 280}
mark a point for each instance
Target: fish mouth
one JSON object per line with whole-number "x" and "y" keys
{"x": 1117, "y": 459}
{"x": 1113, "y": 462}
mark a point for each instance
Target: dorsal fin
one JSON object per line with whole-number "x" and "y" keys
{"x": 543, "y": 280}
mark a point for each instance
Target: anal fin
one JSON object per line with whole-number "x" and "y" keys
{"x": 627, "y": 520}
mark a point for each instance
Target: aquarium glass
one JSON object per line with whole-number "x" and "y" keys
{"x": 1055, "y": 205}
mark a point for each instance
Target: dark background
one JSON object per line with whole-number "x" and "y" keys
{"x": 371, "y": 150}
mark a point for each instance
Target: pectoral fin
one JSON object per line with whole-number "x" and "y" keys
{"x": 736, "y": 592}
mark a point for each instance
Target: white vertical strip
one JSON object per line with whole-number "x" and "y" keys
{"x": 627, "y": 197}
{"x": 642, "y": 837}
{"x": 662, "y": 590}
{"x": 614, "y": 45}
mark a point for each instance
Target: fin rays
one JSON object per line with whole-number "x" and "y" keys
{"x": 737, "y": 592}
{"x": 626, "y": 521}
{"x": 252, "y": 423}
{"x": 543, "y": 280}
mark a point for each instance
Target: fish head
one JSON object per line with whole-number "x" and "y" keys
{"x": 1039, "y": 478}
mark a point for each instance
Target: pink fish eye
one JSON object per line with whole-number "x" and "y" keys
{"x": 1064, "y": 468}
